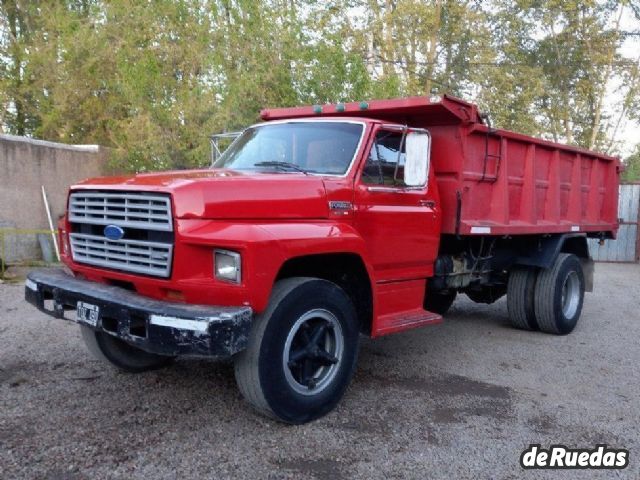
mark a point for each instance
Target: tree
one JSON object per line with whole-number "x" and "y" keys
{"x": 563, "y": 59}
{"x": 632, "y": 166}
{"x": 418, "y": 47}
{"x": 18, "y": 20}
{"x": 152, "y": 82}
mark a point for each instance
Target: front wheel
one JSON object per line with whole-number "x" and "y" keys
{"x": 121, "y": 355}
{"x": 302, "y": 351}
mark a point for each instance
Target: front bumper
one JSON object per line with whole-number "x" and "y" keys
{"x": 152, "y": 325}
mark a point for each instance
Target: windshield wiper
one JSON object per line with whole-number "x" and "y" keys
{"x": 282, "y": 165}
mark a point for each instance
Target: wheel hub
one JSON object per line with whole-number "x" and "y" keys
{"x": 570, "y": 295}
{"x": 313, "y": 351}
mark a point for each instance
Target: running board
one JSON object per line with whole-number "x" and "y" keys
{"x": 398, "y": 322}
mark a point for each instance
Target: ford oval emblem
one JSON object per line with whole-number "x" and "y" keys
{"x": 113, "y": 232}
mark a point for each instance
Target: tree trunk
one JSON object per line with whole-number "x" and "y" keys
{"x": 16, "y": 31}
{"x": 433, "y": 44}
{"x": 603, "y": 89}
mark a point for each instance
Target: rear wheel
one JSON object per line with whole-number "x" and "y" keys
{"x": 439, "y": 302}
{"x": 559, "y": 295}
{"x": 520, "y": 298}
{"x": 121, "y": 355}
{"x": 302, "y": 351}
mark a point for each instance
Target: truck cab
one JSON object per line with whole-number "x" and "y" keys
{"x": 314, "y": 227}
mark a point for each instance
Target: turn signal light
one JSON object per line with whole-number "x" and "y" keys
{"x": 175, "y": 295}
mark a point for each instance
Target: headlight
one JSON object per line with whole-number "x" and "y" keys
{"x": 227, "y": 265}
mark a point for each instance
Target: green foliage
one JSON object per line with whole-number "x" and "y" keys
{"x": 566, "y": 55}
{"x": 152, "y": 80}
{"x": 632, "y": 166}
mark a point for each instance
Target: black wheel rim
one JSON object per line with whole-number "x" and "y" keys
{"x": 313, "y": 352}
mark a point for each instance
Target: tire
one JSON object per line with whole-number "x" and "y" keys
{"x": 439, "y": 302}
{"x": 520, "y": 298}
{"x": 486, "y": 294}
{"x": 559, "y": 295}
{"x": 301, "y": 389}
{"x": 121, "y": 355}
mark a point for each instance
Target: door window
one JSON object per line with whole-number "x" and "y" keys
{"x": 385, "y": 164}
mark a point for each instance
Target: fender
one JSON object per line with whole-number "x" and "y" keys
{"x": 316, "y": 237}
{"x": 265, "y": 247}
{"x": 298, "y": 239}
{"x": 548, "y": 248}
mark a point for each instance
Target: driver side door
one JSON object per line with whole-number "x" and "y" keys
{"x": 400, "y": 224}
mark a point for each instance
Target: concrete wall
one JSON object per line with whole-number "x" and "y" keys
{"x": 27, "y": 164}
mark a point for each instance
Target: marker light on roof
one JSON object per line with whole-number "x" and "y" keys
{"x": 317, "y": 109}
{"x": 340, "y": 107}
{"x": 364, "y": 105}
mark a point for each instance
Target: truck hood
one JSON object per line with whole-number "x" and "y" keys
{"x": 227, "y": 194}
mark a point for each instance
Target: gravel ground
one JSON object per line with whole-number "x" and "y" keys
{"x": 458, "y": 400}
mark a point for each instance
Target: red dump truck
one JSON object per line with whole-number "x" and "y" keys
{"x": 321, "y": 224}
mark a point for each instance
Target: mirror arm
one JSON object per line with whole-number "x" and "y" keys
{"x": 405, "y": 129}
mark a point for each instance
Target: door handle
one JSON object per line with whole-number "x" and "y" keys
{"x": 428, "y": 203}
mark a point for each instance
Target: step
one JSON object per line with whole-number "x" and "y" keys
{"x": 401, "y": 321}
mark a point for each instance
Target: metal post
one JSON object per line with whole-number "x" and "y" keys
{"x": 215, "y": 145}
{"x": 638, "y": 229}
{"x": 2, "y": 256}
{"x": 53, "y": 234}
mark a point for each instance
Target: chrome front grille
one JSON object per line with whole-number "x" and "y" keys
{"x": 145, "y": 243}
{"x": 149, "y": 211}
{"x": 149, "y": 258}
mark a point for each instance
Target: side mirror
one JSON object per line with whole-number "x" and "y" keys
{"x": 416, "y": 167}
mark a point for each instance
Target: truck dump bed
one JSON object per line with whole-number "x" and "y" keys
{"x": 497, "y": 182}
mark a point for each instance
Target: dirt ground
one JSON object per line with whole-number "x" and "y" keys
{"x": 454, "y": 401}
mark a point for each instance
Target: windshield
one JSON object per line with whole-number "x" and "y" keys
{"x": 311, "y": 147}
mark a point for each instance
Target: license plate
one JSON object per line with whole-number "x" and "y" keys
{"x": 88, "y": 313}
